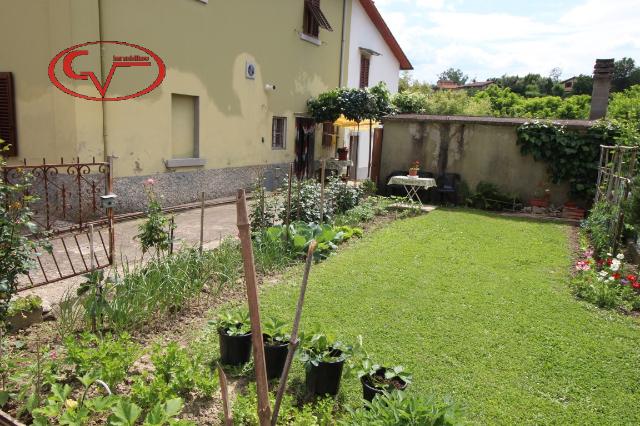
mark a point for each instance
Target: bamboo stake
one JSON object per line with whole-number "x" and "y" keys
{"x": 226, "y": 406}
{"x": 287, "y": 218}
{"x": 172, "y": 227}
{"x": 293, "y": 342}
{"x": 254, "y": 309}
{"x": 322, "y": 171}
{"x": 201, "y": 222}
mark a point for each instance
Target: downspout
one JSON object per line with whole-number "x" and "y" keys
{"x": 105, "y": 144}
{"x": 344, "y": 23}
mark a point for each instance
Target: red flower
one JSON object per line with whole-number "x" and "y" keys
{"x": 631, "y": 278}
{"x": 609, "y": 262}
{"x": 616, "y": 276}
{"x": 635, "y": 285}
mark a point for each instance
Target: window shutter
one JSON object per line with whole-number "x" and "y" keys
{"x": 364, "y": 71}
{"x": 8, "y": 114}
{"x": 328, "y": 132}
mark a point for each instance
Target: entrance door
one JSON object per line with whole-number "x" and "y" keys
{"x": 353, "y": 153}
{"x": 376, "y": 155}
{"x": 305, "y": 144}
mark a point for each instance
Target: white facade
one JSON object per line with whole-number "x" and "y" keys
{"x": 383, "y": 66}
{"x": 364, "y": 34}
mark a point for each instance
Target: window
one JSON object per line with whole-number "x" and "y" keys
{"x": 8, "y": 131}
{"x": 185, "y": 132}
{"x": 314, "y": 19}
{"x": 365, "y": 61}
{"x": 279, "y": 133}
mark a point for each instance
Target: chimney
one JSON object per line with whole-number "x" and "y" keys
{"x": 602, "y": 73}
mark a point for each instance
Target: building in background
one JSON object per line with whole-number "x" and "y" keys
{"x": 374, "y": 56}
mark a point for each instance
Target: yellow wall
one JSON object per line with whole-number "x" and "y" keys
{"x": 50, "y": 123}
{"x": 205, "y": 48}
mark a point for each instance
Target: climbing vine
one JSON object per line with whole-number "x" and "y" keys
{"x": 571, "y": 154}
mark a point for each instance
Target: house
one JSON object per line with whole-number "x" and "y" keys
{"x": 374, "y": 56}
{"x": 568, "y": 84}
{"x": 474, "y": 85}
{"x": 447, "y": 85}
{"x": 231, "y": 103}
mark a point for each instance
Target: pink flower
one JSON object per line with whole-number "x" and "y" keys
{"x": 53, "y": 355}
{"x": 149, "y": 181}
{"x": 583, "y": 265}
{"x": 588, "y": 253}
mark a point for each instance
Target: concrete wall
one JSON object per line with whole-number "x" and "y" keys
{"x": 479, "y": 149}
{"x": 363, "y": 33}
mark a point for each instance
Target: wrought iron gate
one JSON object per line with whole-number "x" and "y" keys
{"x": 68, "y": 202}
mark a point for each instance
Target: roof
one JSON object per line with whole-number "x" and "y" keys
{"x": 569, "y": 79}
{"x": 462, "y": 119}
{"x": 477, "y": 84}
{"x": 375, "y": 16}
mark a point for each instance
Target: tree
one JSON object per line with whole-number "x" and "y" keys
{"x": 583, "y": 85}
{"x": 555, "y": 74}
{"x": 406, "y": 81}
{"x": 454, "y": 74}
{"x": 625, "y": 74}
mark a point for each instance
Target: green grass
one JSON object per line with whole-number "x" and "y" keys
{"x": 477, "y": 307}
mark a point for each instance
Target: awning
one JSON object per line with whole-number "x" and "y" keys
{"x": 344, "y": 122}
{"x": 314, "y": 7}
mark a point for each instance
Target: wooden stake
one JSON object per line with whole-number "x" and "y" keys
{"x": 201, "y": 222}
{"x": 226, "y": 406}
{"x": 172, "y": 227}
{"x": 287, "y": 220}
{"x": 322, "y": 171}
{"x": 244, "y": 229}
{"x": 293, "y": 342}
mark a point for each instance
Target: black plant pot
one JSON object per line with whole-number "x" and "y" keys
{"x": 234, "y": 350}
{"x": 275, "y": 356}
{"x": 369, "y": 391}
{"x": 324, "y": 379}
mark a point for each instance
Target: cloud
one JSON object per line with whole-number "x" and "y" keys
{"x": 491, "y": 43}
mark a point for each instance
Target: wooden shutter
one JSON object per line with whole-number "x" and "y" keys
{"x": 8, "y": 114}
{"x": 328, "y": 131}
{"x": 364, "y": 71}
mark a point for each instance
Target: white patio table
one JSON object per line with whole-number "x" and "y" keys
{"x": 412, "y": 184}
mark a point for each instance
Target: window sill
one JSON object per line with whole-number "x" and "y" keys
{"x": 175, "y": 163}
{"x": 311, "y": 39}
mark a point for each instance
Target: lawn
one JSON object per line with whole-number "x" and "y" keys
{"x": 477, "y": 307}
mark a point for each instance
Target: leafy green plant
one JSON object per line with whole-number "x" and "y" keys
{"x": 275, "y": 331}
{"x": 368, "y": 187}
{"x": 107, "y": 358}
{"x": 127, "y": 413}
{"x": 343, "y": 195}
{"x": 69, "y": 313}
{"x": 319, "y": 347}
{"x": 177, "y": 373}
{"x": 16, "y": 224}
{"x": 264, "y": 209}
{"x": 93, "y": 295}
{"x": 398, "y": 408}
{"x": 570, "y": 156}
{"x": 305, "y": 198}
{"x": 598, "y": 224}
{"x": 155, "y": 231}
{"x": 271, "y": 251}
{"x": 232, "y": 323}
{"x": 361, "y": 365}
{"x": 28, "y": 303}
{"x": 489, "y": 196}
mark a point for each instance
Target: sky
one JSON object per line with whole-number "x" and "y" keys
{"x": 490, "y": 38}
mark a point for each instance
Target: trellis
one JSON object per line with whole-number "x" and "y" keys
{"x": 616, "y": 171}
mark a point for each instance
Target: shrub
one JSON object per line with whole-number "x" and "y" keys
{"x": 264, "y": 209}
{"x": 24, "y": 304}
{"x": 16, "y": 223}
{"x": 368, "y": 209}
{"x": 398, "y": 408}
{"x": 343, "y": 195}
{"x": 598, "y": 226}
{"x": 489, "y": 196}
{"x": 305, "y": 199}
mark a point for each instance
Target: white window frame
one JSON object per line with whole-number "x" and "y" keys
{"x": 273, "y": 133}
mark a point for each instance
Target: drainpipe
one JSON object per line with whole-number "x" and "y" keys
{"x": 344, "y": 22}
{"x": 105, "y": 144}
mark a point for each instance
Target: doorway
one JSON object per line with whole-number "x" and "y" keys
{"x": 305, "y": 144}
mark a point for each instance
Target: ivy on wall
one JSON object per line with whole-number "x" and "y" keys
{"x": 572, "y": 155}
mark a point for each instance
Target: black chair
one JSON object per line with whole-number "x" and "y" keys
{"x": 395, "y": 190}
{"x": 426, "y": 195}
{"x": 448, "y": 187}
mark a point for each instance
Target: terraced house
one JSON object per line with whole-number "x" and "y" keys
{"x": 224, "y": 83}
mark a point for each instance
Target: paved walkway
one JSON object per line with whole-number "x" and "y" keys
{"x": 219, "y": 222}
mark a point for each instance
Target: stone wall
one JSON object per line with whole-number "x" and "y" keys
{"x": 477, "y": 148}
{"x": 185, "y": 187}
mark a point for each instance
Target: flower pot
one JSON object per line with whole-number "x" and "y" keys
{"x": 324, "y": 379}
{"x": 275, "y": 357}
{"x": 539, "y": 202}
{"x": 413, "y": 172}
{"x": 234, "y": 350}
{"x": 343, "y": 154}
{"x": 369, "y": 391}
{"x": 25, "y": 319}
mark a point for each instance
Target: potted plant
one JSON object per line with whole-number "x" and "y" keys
{"x": 375, "y": 379}
{"x": 343, "y": 153}
{"x": 323, "y": 358}
{"x": 24, "y": 311}
{"x": 276, "y": 346}
{"x": 234, "y": 329}
{"x": 414, "y": 169}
